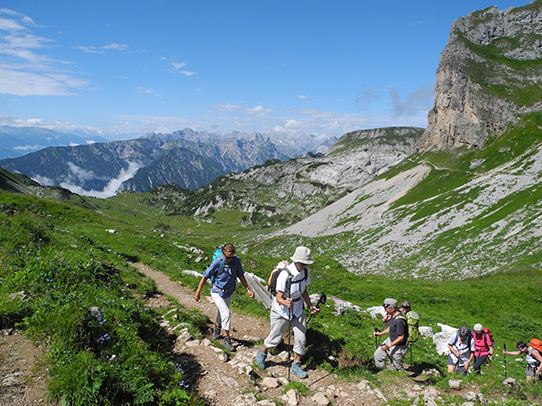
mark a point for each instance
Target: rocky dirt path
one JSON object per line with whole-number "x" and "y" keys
{"x": 23, "y": 374}
{"x": 233, "y": 379}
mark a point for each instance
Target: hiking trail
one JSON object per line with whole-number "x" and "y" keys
{"x": 229, "y": 380}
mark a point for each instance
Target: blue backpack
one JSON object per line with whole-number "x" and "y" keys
{"x": 218, "y": 255}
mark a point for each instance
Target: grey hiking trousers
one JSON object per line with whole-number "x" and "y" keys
{"x": 396, "y": 355}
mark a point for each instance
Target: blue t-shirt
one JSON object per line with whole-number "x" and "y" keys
{"x": 224, "y": 282}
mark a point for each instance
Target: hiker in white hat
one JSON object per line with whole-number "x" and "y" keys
{"x": 287, "y": 309}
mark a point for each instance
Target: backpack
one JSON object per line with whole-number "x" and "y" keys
{"x": 469, "y": 337}
{"x": 536, "y": 344}
{"x": 218, "y": 254}
{"x": 413, "y": 321}
{"x": 486, "y": 334}
{"x": 274, "y": 275}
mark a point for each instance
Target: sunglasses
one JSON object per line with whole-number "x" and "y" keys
{"x": 228, "y": 257}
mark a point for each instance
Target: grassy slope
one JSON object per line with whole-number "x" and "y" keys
{"x": 147, "y": 235}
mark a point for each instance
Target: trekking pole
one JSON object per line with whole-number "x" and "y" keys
{"x": 411, "y": 354}
{"x": 321, "y": 301}
{"x": 377, "y": 338}
{"x": 505, "y": 370}
{"x": 290, "y": 327}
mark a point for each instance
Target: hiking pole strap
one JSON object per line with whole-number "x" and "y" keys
{"x": 321, "y": 301}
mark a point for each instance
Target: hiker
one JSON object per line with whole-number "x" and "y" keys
{"x": 224, "y": 272}
{"x": 287, "y": 309}
{"x": 462, "y": 349}
{"x": 395, "y": 346}
{"x": 533, "y": 358}
{"x": 483, "y": 347}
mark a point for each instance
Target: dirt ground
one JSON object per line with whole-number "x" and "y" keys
{"x": 23, "y": 374}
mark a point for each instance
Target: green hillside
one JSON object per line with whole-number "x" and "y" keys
{"x": 73, "y": 257}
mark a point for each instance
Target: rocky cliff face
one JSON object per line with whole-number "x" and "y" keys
{"x": 489, "y": 76}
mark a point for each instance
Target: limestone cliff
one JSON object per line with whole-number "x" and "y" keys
{"x": 489, "y": 75}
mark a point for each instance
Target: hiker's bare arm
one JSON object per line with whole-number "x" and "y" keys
{"x": 282, "y": 301}
{"x": 538, "y": 357}
{"x": 394, "y": 342}
{"x": 511, "y": 352}
{"x": 469, "y": 361}
{"x": 397, "y": 340}
{"x": 245, "y": 284}
{"x": 381, "y": 333}
{"x": 307, "y": 300}
{"x": 200, "y": 287}
{"x": 453, "y": 350}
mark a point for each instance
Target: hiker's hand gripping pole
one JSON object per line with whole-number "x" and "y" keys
{"x": 321, "y": 301}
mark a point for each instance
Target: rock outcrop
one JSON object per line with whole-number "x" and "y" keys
{"x": 489, "y": 75}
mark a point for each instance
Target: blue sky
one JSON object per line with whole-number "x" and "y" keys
{"x": 296, "y": 66}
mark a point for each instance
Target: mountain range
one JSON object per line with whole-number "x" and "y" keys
{"x": 458, "y": 199}
{"x": 188, "y": 158}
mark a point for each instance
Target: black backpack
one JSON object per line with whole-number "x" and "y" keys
{"x": 272, "y": 282}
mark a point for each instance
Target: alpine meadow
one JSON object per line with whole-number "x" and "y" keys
{"x": 448, "y": 217}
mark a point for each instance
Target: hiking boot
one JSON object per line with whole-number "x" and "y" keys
{"x": 216, "y": 333}
{"x": 227, "y": 343}
{"x": 260, "y": 359}
{"x": 297, "y": 370}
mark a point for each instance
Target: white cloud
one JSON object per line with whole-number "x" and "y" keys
{"x": 43, "y": 180}
{"x": 27, "y": 20}
{"x": 227, "y": 107}
{"x": 10, "y": 25}
{"x": 28, "y": 147}
{"x": 62, "y": 126}
{"x": 24, "y": 83}
{"x": 178, "y": 65}
{"x": 109, "y": 190}
{"x": 418, "y": 101}
{"x": 258, "y": 110}
{"x": 90, "y": 49}
{"x": 188, "y": 73}
{"x": 116, "y": 47}
{"x": 100, "y": 50}
{"x": 301, "y": 96}
{"x": 147, "y": 91}
{"x": 29, "y": 73}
